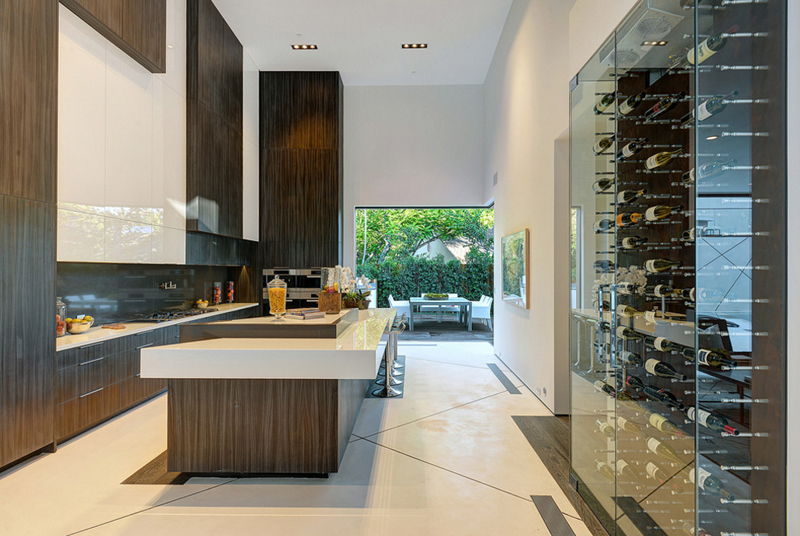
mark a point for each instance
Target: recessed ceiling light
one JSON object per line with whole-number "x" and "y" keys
{"x": 414, "y": 45}
{"x": 712, "y": 138}
{"x": 304, "y": 47}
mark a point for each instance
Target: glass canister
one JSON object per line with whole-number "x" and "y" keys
{"x": 61, "y": 318}
{"x": 277, "y": 297}
{"x": 229, "y": 291}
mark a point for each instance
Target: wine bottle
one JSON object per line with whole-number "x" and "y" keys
{"x": 663, "y": 396}
{"x": 633, "y": 242}
{"x": 688, "y": 236}
{"x": 603, "y": 145}
{"x": 659, "y": 291}
{"x": 656, "y": 266}
{"x": 663, "y": 106}
{"x": 604, "y": 469}
{"x": 708, "y": 170}
{"x": 715, "y": 422}
{"x": 604, "y": 326}
{"x": 603, "y": 104}
{"x": 662, "y": 369}
{"x": 662, "y": 345}
{"x": 708, "y": 109}
{"x": 686, "y": 293}
{"x": 626, "y": 471}
{"x": 709, "y": 357}
{"x": 709, "y": 483}
{"x": 706, "y": 49}
{"x": 632, "y": 148}
{"x": 661, "y": 212}
{"x": 603, "y": 185}
{"x": 659, "y": 160}
{"x": 606, "y": 428}
{"x": 603, "y": 225}
{"x": 628, "y": 334}
{"x": 604, "y": 266}
{"x": 628, "y": 401}
{"x": 629, "y": 426}
{"x": 663, "y": 450}
{"x": 659, "y": 475}
{"x": 630, "y": 104}
{"x": 635, "y": 382}
{"x": 661, "y": 423}
{"x": 626, "y": 219}
{"x": 629, "y": 196}
{"x": 605, "y": 306}
{"x": 627, "y": 288}
{"x": 604, "y": 387}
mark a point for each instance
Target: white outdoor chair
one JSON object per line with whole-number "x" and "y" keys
{"x": 482, "y": 310}
{"x": 401, "y": 306}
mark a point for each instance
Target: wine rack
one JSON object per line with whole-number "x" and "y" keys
{"x": 678, "y": 330}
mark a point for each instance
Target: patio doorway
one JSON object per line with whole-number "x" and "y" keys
{"x": 413, "y": 253}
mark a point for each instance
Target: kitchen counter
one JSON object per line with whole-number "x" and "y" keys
{"x": 352, "y": 355}
{"x": 98, "y": 334}
{"x": 253, "y": 405}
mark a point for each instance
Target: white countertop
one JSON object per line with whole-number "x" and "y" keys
{"x": 98, "y": 334}
{"x": 327, "y": 320}
{"x": 354, "y": 355}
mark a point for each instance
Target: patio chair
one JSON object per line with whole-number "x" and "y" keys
{"x": 401, "y": 306}
{"x": 482, "y": 310}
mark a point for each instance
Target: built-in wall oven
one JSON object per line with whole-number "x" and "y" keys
{"x": 302, "y": 286}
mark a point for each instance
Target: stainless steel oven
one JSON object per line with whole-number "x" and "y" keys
{"x": 302, "y": 285}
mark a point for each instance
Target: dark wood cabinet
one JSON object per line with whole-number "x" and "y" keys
{"x": 214, "y": 172}
{"x": 137, "y": 27}
{"x": 97, "y": 381}
{"x": 28, "y": 85}
{"x": 27, "y": 340}
{"x": 301, "y": 166}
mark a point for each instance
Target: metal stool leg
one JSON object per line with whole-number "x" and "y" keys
{"x": 388, "y": 391}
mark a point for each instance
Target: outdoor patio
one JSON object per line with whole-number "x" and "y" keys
{"x": 429, "y": 329}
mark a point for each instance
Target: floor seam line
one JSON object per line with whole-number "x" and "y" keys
{"x": 150, "y": 508}
{"x": 450, "y": 471}
{"x": 432, "y": 415}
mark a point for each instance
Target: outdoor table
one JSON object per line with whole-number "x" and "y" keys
{"x": 462, "y": 303}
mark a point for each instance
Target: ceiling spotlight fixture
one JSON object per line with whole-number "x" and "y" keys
{"x": 304, "y": 47}
{"x": 712, "y": 138}
{"x": 414, "y": 45}
{"x": 654, "y": 43}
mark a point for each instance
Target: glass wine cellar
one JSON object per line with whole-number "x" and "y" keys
{"x": 678, "y": 316}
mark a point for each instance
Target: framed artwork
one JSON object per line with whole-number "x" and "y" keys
{"x": 516, "y": 269}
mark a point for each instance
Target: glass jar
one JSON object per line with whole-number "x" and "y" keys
{"x": 277, "y": 297}
{"x": 61, "y": 317}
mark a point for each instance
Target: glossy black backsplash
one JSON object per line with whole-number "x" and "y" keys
{"x": 120, "y": 292}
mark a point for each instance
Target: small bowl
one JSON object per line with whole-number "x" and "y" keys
{"x": 201, "y": 305}
{"x": 78, "y": 327}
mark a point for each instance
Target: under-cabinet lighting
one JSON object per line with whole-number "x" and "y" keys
{"x": 304, "y": 47}
{"x": 414, "y": 45}
{"x": 654, "y": 43}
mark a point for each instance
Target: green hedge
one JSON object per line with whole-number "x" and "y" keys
{"x": 415, "y": 276}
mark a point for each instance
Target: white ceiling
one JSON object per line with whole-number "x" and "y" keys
{"x": 362, "y": 38}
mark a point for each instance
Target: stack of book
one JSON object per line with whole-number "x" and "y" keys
{"x": 304, "y": 314}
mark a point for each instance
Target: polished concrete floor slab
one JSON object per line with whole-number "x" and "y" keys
{"x": 446, "y": 459}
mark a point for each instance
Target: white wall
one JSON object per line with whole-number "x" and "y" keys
{"x": 526, "y": 102}
{"x": 411, "y": 146}
{"x": 793, "y": 374}
{"x": 590, "y": 23}
{"x": 122, "y": 148}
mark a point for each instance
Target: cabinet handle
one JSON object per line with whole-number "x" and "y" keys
{"x": 143, "y": 346}
{"x": 92, "y": 392}
{"x": 91, "y": 361}
{"x": 90, "y": 345}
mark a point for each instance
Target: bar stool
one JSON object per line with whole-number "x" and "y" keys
{"x": 389, "y": 381}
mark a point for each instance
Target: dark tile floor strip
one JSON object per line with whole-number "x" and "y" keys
{"x": 549, "y": 437}
{"x": 552, "y": 516}
{"x": 503, "y": 379}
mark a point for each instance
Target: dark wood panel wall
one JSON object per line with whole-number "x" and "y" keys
{"x": 214, "y": 172}
{"x": 301, "y": 168}
{"x": 137, "y": 27}
{"x": 28, "y": 85}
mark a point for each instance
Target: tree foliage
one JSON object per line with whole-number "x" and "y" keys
{"x": 396, "y": 234}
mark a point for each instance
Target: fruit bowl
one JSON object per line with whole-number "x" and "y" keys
{"x": 79, "y": 326}
{"x": 201, "y": 304}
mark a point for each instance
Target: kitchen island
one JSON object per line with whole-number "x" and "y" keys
{"x": 258, "y": 403}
